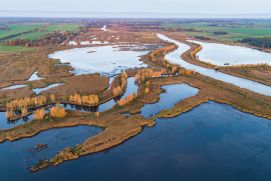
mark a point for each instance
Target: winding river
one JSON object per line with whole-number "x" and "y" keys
{"x": 174, "y": 57}
{"x": 211, "y": 142}
{"x": 235, "y": 55}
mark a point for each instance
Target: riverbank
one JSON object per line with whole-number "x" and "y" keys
{"x": 122, "y": 121}
{"x": 258, "y": 72}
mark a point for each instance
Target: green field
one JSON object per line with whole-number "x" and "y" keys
{"x": 39, "y": 30}
{"x": 15, "y": 29}
{"x": 236, "y": 30}
{"x": 12, "y": 49}
{"x": 44, "y": 30}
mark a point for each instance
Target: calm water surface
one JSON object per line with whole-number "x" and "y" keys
{"x": 174, "y": 57}
{"x": 221, "y": 54}
{"x": 211, "y": 142}
{"x": 172, "y": 95}
{"x": 108, "y": 60}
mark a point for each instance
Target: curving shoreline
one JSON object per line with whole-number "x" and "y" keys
{"x": 190, "y": 56}
{"x": 119, "y": 128}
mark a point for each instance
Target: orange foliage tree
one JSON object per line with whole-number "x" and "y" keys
{"x": 58, "y": 112}
{"x": 144, "y": 74}
{"x": 91, "y": 100}
{"x": 127, "y": 99}
{"x": 39, "y": 114}
{"x": 123, "y": 83}
{"x": 23, "y": 105}
{"x": 187, "y": 72}
{"x": 161, "y": 51}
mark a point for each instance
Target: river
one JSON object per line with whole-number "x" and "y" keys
{"x": 221, "y": 54}
{"x": 174, "y": 57}
{"x": 211, "y": 142}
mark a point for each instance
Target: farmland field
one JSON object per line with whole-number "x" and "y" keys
{"x": 35, "y": 30}
{"x": 234, "y": 30}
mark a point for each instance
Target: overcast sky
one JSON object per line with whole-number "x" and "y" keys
{"x": 88, "y": 7}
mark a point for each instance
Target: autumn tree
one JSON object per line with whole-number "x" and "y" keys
{"x": 127, "y": 99}
{"x": 39, "y": 114}
{"x": 58, "y": 112}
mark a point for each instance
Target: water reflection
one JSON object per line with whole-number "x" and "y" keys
{"x": 221, "y": 54}
{"x": 174, "y": 57}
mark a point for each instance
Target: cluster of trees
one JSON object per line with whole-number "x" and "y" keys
{"x": 54, "y": 38}
{"x": 186, "y": 72}
{"x": 123, "y": 83}
{"x": 264, "y": 42}
{"x": 262, "y": 65}
{"x": 195, "y": 51}
{"x": 161, "y": 51}
{"x": 26, "y": 102}
{"x": 202, "y": 37}
{"x": 170, "y": 67}
{"x": 39, "y": 114}
{"x": 127, "y": 100}
{"x": 117, "y": 91}
{"x": 123, "y": 80}
{"x": 22, "y": 105}
{"x": 9, "y": 114}
{"x": 91, "y": 100}
{"x": 58, "y": 112}
{"x": 220, "y": 33}
{"x": 178, "y": 29}
{"x": 144, "y": 74}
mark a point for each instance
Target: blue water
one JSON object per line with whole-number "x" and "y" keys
{"x": 16, "y": 158}
{"x": 132, "y": 87}
{"x": 211, "y": 142}
{"x": 172, "y": 95}
{"x": 6, "y": 124}
{"x": 174, "y": 57}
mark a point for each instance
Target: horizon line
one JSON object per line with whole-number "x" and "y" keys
{"x": 152, "y": 15}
